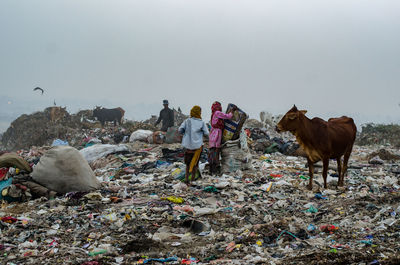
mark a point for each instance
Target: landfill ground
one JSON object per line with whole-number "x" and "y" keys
{"x": 144, "y": 215}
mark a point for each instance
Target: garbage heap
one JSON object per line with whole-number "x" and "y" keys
{"x": 42, "y": 127}
{"x": 379, "y": 134}
{"x": 263, "y": 140}
{"x": 144, "y": 214}
{"x": 55, "y": 123}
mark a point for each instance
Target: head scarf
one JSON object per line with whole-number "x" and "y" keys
{"x": 195, "y": 112}
{"x": 216, "y": 106}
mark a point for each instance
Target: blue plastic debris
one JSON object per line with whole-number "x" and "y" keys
{"x": 311, "y": 227}
{"x": 59, "y": 142}
{"x": 161, "y": 163}
{"x": 320, "y": 196}
{"x": 366, "y": 242}
{"x": 160, "y": 260}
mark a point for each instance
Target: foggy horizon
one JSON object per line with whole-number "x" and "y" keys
{"x": 330, "y": 58}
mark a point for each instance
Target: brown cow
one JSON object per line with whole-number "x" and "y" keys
{"x": 321, "y": 140}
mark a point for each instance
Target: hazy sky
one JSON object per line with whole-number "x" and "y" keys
{"x": 329, "y": 57}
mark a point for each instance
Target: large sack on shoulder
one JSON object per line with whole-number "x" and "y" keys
{"x": 63, "y": 169}
{"x": 233, "y": 126}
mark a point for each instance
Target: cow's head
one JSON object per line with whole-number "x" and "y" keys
{"x": 290, "y": 122}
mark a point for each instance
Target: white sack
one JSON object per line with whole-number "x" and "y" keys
{"x": 63, "y": 169}
{"x": 140, "y": 135}
{"x": 98, "y": 151}
{"x": 234, "y": 157}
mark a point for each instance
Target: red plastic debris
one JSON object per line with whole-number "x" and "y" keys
{"x": 9, "y": 219}
{"x": 328, "y": 228}
{"x": 3, "y": 172}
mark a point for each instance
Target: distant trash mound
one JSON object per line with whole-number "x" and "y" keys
{"x": 384, "y": 155}
{"x": 253, "y": 123}
{"x": 41, "y": 128}
{"x": 269, "y": 120}
{"x": 379, "y": 134}
{"x": 55, "y": 125}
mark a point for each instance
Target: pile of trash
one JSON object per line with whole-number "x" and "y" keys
{"x": 262, "y": 140}
{"x": 379, "y": 134}
{"x": 37, "y": 128}
{"x": 56, "y": 124}
{"x": 113, "y": 196}
{"x": 140, "y": 212}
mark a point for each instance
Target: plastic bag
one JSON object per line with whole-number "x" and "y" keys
{"x": 58, "y": 142}
{"x": 98, "y": 151}
{"x": 140, "y": 135}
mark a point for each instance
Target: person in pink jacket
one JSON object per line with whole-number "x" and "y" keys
{"x": 215, "y": 136}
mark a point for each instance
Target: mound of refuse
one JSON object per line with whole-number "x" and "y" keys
{"x": 384, "y": 155}
{"x": 112, "y": 203}
{"x": 41, "y": 128}
{"x": 55, "y": 126}
{"x": 378, "y": 134}
{"x": 142, "y": 213}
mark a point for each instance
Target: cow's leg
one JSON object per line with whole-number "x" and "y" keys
{"x": 310, "y": 172}
{"x": 345, "y": 161}
{"x": 339, "y": 168}
{"x": 325, "y": 163}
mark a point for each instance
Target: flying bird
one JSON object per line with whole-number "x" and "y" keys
{"x": 38, "y": 88}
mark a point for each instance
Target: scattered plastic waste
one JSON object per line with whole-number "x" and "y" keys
{"x": 311, "y": 227}
{"x": 259, "y": 212}
{"x": 210, "y": 189}
{"x": 312, "y": 209}
{"x": 328, "y": 228}
{"x": 97, "y": 252}
{"x": 189, "y": 261}
{"x": 304, "y": 177}
{"x": 58, "y": 142}
{"x": 174, "y": 199}
{"x": 158, "y": 260}
{"x": 320, "y": 196}
{"x": 287, "y": 232}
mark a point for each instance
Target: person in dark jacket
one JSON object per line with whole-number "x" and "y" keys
{"x": 166, "y": 116}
